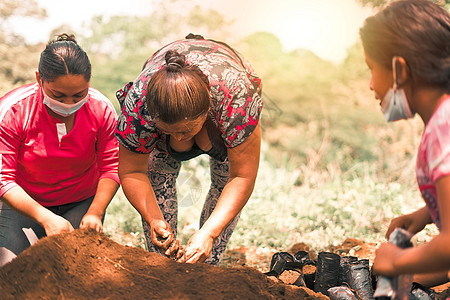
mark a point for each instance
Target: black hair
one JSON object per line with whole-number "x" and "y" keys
{"x": 63, "y": 56}
{"x": 178, "y": 91}
{"x": 418, "y": 31}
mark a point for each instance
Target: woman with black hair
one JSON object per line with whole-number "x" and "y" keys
{"x": 407, "y": 49}
{"x": 58, "y": 153}
{"x": 193, "y": 97}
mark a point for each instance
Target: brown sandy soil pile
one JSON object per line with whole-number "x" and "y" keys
{"x": 88, "y": 265}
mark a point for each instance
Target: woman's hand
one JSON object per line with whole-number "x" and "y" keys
{"x": 138, "y": 190}
{"x": 164, "y": 240}
{"x": 413, "y": 222}
{"x": 199, "y": 247}
{"x": 56, "y": 225}
{"x": 162, "y": 236}
{"x": 92, "y": 221}
{"x": 385, "y": 256}
{"x": 106, "y": 189}
{"x": 20, "y": 201}
{"x": 243, "y": 164}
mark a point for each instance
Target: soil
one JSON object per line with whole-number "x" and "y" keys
{"x": 85, "y": 264}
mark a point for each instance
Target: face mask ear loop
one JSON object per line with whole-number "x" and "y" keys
{"x": 394, "y": 72}
{"x": 394, "y": 75}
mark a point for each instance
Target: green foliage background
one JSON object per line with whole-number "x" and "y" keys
{"x": 331, "y": 168}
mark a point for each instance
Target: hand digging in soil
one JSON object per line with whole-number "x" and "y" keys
{"x": 173, "y": 249}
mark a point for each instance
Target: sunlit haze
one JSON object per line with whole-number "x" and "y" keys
{"x": 326, "y": 27}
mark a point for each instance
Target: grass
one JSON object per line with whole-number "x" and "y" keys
{"x": 331, "y": 168}
{"x": 329, "y": 171}
{"x": 325, "y": 209}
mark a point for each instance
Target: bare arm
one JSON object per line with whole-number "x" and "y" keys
{"x": 431, "y": 257}
{"x": 244, "y": 163}
{"x": 106, "y": 190}
{"x": 138, "y": 190}
{"x": 135, "y": 184}
{"x": 17, "y": 199}
{"x": 413, "y": 222}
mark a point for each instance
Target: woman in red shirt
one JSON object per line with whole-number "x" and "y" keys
{"x": 58, "y": 153}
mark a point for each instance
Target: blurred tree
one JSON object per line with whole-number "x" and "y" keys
{"x": 209, "y": 21}
{"x": 10, "y": 8}
{"x": 373, "y": 3}
{"x": 17, "y": 59}
{"x": 119, "y": 45}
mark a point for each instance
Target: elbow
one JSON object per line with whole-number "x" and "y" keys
{"x": 246, "y": 184}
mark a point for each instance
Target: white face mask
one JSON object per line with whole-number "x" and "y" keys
{"x": 395, "y": 104}
{"x": 63, "y": 109}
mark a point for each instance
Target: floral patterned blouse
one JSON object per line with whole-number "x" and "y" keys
{"x": 235, "y": 95}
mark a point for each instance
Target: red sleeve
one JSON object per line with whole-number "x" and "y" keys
{"x": 107, "y": 146}
{"x": 9, "y": 148}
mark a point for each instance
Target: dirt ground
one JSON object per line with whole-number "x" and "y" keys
{"x": 88, "y": 265}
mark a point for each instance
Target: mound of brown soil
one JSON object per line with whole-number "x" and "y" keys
{"x": 87, "y": 265}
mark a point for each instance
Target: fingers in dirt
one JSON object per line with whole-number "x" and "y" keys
{"x": 163, "y": 243}
{"x": 181, "y": 256}
{"x": 194, "y": 257}
{"x": 173, "y": 249}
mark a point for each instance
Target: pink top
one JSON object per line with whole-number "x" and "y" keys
{"x": 433, "y": 157}
{"x": 53, "y": 167}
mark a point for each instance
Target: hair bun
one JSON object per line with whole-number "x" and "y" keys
{"x": 174, "y": 60}
{"x": 192, "y": 36}
{"x": 64, "y": 37}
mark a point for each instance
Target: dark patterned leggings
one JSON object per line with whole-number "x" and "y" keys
{"x": 163, "y": 171}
